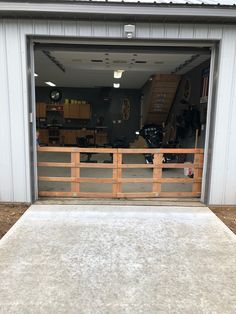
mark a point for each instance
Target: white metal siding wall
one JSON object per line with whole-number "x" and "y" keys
{"x": 223, "y": 179}
{"x": 14, "y": 122}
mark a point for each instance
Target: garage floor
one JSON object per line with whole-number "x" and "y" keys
{"x": 107, "y": 173}
{"x": 118, "y": 259}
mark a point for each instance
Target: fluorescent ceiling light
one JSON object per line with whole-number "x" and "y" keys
{"x": 116, "y": 85}
{"x": 118, "y": 73}
{"x": 35, "y": 74}
{"x": 50, "y": 84}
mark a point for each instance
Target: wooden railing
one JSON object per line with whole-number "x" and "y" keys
{"x": 157, "y": 180}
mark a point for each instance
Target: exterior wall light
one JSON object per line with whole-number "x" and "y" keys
{"x": 129, "y": 30}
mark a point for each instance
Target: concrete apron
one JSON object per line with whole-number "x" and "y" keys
{"x": 118, "y": 259}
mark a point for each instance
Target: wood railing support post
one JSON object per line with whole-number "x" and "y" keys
{"x": 197, "y": 172}
{"x": 75, "y": 173}
{"x": 157, "y": 173}
{"x": 119, "y": 172}
{"x": 115, "y": 174}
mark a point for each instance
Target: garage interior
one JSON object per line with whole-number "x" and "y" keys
{"x": 102, "y": 96}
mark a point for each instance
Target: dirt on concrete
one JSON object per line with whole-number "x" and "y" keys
{"x": 10, "y": 213}
{"x": 227, "y": 215}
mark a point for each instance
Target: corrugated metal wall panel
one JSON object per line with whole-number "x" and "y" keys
{"x": 186, "y": 31}
{"x": 40, "y": 27}
{"x": 215, "y": 32}
{"x": 180, "y": 31}
{"x": 56, "y": 28}
{"x": 84, "y": 29}
{"x": 14, "y": 166}
{"x": 201, "y": 31}
{"x": 70, "y": 28}
{"x": 230, "y": 189}
{"x": 172, "y": 31}
{"x": 223, "y": 179}
{"x": 115, "y": 30}
{"x": 99, "y": 29}
{"x": 157, "y": 30}
{"x": 16, "y": 110}
{"x": 143, "y": 30}
{"x": 6, "y": 174}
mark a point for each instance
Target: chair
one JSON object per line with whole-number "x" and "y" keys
{"x": 85, "y": 142}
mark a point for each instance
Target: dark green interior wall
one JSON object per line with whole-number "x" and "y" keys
{"x": 111, "y": 110}
{"x": 195, "y": 78}
{"x": 126, "y": 128}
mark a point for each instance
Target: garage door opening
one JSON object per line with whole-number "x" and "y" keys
{"x": 120, "y": 121}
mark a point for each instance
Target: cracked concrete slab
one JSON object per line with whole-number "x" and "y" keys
{"x": 118, "y": 259}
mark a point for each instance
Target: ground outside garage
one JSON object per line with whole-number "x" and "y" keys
{"x": 10, "y": 213}
{"x": 118, "y": 259}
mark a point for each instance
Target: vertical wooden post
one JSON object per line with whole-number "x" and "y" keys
{"x": 119, "y": 173}
{"x": 115, "y": 174}
{"x": 75, "y": 173}
{"x": 157, "y": 173}
{"x": 197, "y": 172}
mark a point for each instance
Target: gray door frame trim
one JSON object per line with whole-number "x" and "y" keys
{"x": 32, "y": 122}
{"x": 211, "y": 109}
{"x": 210, "y": 124}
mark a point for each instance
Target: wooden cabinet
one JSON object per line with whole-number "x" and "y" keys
{"x": 68, "y": 137}
{"x": 40, "y": 110}
{"x": 101, "y": 139}
{"x": 84, "y": 111}
{"x": 43, "y": 136}
{"x": 80, "y": 110}
{"x": 77, "y": 111}
{"x": 66, "y": 108}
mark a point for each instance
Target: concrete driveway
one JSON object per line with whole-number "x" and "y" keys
{"x": 118, "y": 259}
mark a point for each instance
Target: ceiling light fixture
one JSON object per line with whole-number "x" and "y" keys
{"x": 118, "y": 73}
{"x": 35, "y": 74}
{"x": 116, "y": 85}
{"x": 50, "y": 83}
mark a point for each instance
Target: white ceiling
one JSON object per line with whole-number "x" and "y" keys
{"x": 82, "y": 71}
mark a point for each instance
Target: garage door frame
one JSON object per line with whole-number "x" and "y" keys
{"x": 210, "y": 124}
